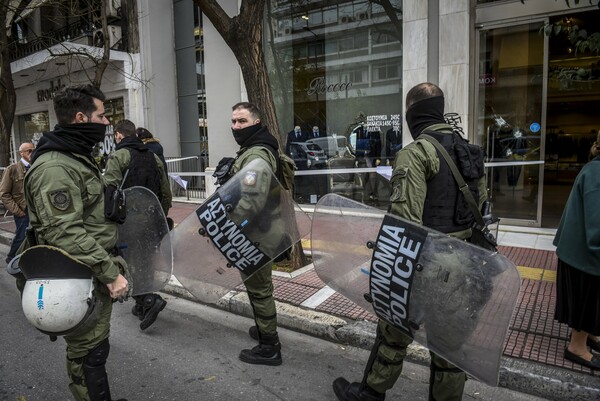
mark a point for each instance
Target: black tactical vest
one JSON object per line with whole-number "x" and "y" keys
{"x": 446, "y": 209}
{"x": 143, "y": 171}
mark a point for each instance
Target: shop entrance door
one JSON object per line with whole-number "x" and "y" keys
{"x": 510, "y": 121}
{"x": 537, "y": 113}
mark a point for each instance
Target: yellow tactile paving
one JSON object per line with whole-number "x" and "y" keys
{"x": 531, "y": 273}
{"x": 535, "y": 273}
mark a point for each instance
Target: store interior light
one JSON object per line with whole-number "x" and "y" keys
{"x": 305, "y": 17}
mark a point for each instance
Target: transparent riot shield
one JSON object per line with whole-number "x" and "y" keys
{"x": 145, "y": 243}
{"x": 450, "y": 296}
{"x": 247, "y": 223}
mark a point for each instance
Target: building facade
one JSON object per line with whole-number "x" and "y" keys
{"x": 512, "y": 77}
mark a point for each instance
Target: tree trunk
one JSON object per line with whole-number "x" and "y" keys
{"x": 244, "y": 36}
{"x": 8, "y": 97}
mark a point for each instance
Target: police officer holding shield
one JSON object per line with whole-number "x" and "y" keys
{"x": 144, "y": 169}
{"x": 425, "y": 192}
{"x": 65, "y": 199}
{"x": 255, "y": 142}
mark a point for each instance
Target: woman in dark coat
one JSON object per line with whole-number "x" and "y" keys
{"x": 578, "y": 278}
{"x": 152, "y": 143}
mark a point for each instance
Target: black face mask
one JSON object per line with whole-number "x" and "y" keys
{"x": 241, "y": 136}
{"x": 75, "y": 138}
{"x": 425, "y": 113}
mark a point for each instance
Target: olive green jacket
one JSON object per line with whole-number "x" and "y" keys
{"x": 414, "y": 165}
{"x": 118, "y": 163}
{"x": 254, "y": 196}
{"x": 65, "y": 201}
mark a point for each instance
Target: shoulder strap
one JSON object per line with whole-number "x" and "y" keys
{"x": 462, "y": 185}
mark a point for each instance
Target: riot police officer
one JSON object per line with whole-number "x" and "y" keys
{"x": 144, "y": 169}
{"x": 255, "y": 141}
{"x": 65, "y": 198}
{"x": 425, "y": 192}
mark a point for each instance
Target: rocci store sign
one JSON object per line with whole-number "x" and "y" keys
{"x": 318, "y": 86}
{"x": 44, "y": 95}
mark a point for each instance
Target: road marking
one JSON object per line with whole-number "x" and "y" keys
{"x": 318, "y": 297}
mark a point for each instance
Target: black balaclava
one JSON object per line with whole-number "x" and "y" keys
{"x": 74, "y": 138}
{"x": 241, "y": 136}
{"x": 425, "y": 113}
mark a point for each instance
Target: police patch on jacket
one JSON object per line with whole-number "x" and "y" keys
{"x": 250, "y": 178}
{"x": 60, "y": 199}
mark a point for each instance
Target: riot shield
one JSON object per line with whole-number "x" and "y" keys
{"x": 145, "y": 243}
{"x": 448, "y": 295}
{"x": 242, "y": 227}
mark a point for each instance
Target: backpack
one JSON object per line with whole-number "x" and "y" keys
{"x": 285, "y": 168}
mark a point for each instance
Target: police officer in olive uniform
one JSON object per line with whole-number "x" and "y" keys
{"x": 425, "y": 192}
{"x": 255, "y": 141}
{"x": 144, "y": 169}
{"x": 65, "y": 199}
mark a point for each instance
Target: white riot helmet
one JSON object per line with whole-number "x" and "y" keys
{"x": 58, "y": 296}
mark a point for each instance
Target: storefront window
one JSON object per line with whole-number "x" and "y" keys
{"x": 31, "y": 127}
{"x": 337, "y": 72}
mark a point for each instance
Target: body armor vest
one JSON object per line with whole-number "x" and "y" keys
{"x": 143, "y": 172}
{"x": 446, "y": 208}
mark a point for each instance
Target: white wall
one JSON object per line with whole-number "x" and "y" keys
{"x": 223, "y": 88}
{"x": 157, "y": 53}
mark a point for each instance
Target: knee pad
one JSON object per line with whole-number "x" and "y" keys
{"x": 98, "y": 356}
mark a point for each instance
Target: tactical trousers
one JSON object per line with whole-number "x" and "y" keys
{"x": 260, "y": 292}
{"x": 446, "y": 382}
{"x": 78, "y": 347}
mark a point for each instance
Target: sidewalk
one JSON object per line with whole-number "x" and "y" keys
{"x": 533, "y": 353}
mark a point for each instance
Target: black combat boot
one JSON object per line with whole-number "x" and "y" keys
{"x": 346, "y": 391}
{"x": 253, "y": 332}
{"x": 138, "y": 310}
{"x": 153, "y": 304}
{"x": 267, "y": 352}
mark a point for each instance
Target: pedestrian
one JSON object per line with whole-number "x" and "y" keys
{"x": 153, "y": 144}
{"x": 578, "y": 277}
{"x": 144, "y": 169}
{"x": 65, "y": 199}
{"x": 256, "y": 142}
{"x": 424, "y": 192}
{"x": 13, "y": 196}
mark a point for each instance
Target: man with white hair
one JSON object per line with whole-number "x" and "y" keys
{"x": 13, "y": 196}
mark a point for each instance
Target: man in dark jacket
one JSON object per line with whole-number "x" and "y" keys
{"x": 145, "y": 170}
{"x": 425, "y": 192}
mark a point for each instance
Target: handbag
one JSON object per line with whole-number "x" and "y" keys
{"x": 480, "y": 232}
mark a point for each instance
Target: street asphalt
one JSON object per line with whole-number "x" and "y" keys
{"x": 539, "y": 380}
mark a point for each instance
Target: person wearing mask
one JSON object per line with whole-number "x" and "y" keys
{"x": 64, "y": 192}
{"x": 144, "y": 169}
{"x": 577, "y": 243}
{"x": 424, "y": 192}
{"x": 13, "y": 196}
{"x": 256, "y": 142}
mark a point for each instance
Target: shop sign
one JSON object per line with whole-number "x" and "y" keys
{"x": 44, "y": 95}
{"x": 318, "y": 86}
{"x": 487, "y": 80}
